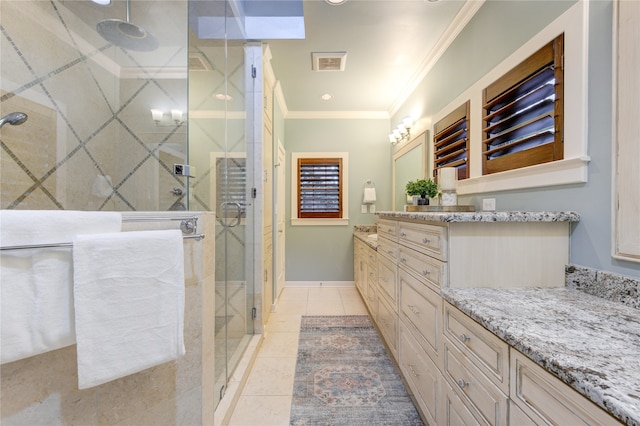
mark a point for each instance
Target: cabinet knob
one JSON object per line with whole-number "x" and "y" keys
{"x": 403, "y": 260}
{"x": 390, "y": 252}
{"x": 425, "y": 272}
{"x": 464, "y": 338}
{"x": 413, "y": 309}
{"x": 462, "y": 384}
{"x": 403, "y": 234}
{"x": 426, "y": 241}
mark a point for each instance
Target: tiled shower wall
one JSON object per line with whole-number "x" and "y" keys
{"x": 90, "y": 142}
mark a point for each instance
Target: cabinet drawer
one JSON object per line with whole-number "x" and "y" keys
{"x": 454, "y": 412}
{"x": 388, "y": 248}
{"x": 388, "y": 229}
{"x": 427, "y": 268}
{"x": 547, "y": 400}
{"x": 387, "y": 283}
{"x": 471, "y": 384}
{"x": 427, "y": 239}
{"x": 421, "y": 309}
{"x": 486, "y": 350}
{"x": 422, "y": 375}
{"x": 387, "y": 321}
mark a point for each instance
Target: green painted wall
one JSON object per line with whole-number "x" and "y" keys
{"x": 325, "y": 253}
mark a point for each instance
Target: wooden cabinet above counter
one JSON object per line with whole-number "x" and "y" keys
{"x": 487, "y": 249}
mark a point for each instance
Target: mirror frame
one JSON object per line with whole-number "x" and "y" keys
{"x": 417, "y": 142}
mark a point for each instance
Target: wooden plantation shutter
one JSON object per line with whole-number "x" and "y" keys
{"x": 451, "y": 142}
{"x": 523, "y": 113}
{"x": 319, "y": 187}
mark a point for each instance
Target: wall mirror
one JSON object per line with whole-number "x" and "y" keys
{"x": 409, "y": 163}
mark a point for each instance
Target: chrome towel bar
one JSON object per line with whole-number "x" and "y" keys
{"x": 196, "y": 237}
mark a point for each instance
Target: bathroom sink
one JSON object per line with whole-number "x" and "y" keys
{"x": 373, "y": 236}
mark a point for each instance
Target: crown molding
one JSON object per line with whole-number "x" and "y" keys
{"x": 463, "y": 17}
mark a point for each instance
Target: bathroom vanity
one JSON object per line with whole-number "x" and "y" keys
{"x": 473, "y": 307}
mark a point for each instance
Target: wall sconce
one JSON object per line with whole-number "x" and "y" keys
{"x": 402, "y": 132}
{"x": 175, "y": 114}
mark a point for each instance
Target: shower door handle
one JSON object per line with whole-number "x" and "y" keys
{"x": 238, "y": 214}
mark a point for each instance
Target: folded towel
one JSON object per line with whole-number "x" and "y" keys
{"x": 369, "y": 196}
{"x": 129, "y": 303}
{"x": 36, "y": 291}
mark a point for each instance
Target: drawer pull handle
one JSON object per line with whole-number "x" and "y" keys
{"x": 462, "y": 384}
{"x": 403, "y": 234}
{"x": 413, "y": 371}
{"x": 383, "y": 279}
{"x": 403, "y": 260}
{"x": 390, "y": 230}
{"x": 426, "y": 241}
{"x": 425, "y": 272}
{"x": 413, "y": 309}
{"x": 464, "y": 338}
{"x": 390, "y": 252}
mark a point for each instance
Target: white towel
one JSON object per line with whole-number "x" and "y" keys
{"x": 369, "y": 196}
{"x": 129, "y": 303}
{"x": 36, "y": 295}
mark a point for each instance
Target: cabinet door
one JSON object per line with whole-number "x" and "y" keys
{"x": 422, "y": 375}
{"x": 547, "y": 400}
{"x": 421, "y": 310}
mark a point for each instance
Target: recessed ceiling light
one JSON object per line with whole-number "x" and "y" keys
{"x": 326, "y": 97}
{"x": 223, "y": 97}
{"x": 102, "y": 2}
{"x": 335, "y": 2}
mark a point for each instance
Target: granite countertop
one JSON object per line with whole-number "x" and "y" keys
{"x": 364, "y": 236}
{"x": 504, "y": 216}
{"x": 591, "y": 344}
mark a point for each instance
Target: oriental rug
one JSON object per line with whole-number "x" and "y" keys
{"x": 344, "y": 376}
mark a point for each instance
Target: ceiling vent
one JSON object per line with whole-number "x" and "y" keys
{"x": 197, "y": 62}
{"x": 328, "y": 61}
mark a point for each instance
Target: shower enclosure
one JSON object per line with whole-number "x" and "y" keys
{"x": 113, "y": 122}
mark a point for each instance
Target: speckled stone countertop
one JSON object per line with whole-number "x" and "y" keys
{"x": 505, "y": 216}
{"x": 363, "y": 236}
{"x": 591, "y": 344}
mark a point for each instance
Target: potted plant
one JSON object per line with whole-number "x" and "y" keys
{"x": 425, "y": 188}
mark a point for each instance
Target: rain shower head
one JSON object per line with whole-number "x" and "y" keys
{"x": 14, "y": 118}
{"x": 127, "y": 35}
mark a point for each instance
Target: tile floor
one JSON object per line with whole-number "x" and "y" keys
{"x": 266, "y": 398}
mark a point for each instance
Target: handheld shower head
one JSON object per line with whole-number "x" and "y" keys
{"x": 14, "y": 118}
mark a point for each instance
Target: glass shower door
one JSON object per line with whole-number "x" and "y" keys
{"x": 218, "y": 149}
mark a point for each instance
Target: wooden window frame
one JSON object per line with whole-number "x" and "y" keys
{"x": 330, "y": 219}
{"x": 445, "y": 132}
{"x": 550, "y": 55}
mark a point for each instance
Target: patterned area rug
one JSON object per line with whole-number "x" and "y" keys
{"x": 345, "y": 377}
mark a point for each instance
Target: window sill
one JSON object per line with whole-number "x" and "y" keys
{"x": 320, "y": 222}
{"x": 562, "y": 172}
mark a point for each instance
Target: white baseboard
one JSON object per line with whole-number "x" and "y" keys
{"x": 318, "y": 284}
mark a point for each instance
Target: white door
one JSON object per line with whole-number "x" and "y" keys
{"x": 279, "y": 219}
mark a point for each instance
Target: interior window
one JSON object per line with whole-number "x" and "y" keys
{"x": 523, "y": 113}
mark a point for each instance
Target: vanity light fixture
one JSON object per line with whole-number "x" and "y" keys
{"x": 402, "y": 132}
{"x": 177, "y": 116}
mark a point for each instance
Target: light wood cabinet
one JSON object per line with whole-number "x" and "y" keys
{"x": 459, "y": 372}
